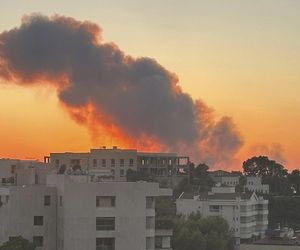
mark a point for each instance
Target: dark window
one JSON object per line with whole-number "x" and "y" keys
{"x": 38, "y": 241}
{"x": 103, "y": 163}
{"x": 130, "y": 162}
{"x": 150, "y": 202}
{"x": 94, "y": 162}
{"x": 13, "y": 169}
{"x": 158, "y": 242}
{"x": 36, "y": 179}
{"x": 150, "y": 222}
{"x": 105, "y": 223}
{"x": 122, "y": 173}
{"x": 112, "y": 162}
{"x": 56, "y": 161}
{"x": 60, "y": 200}
{"x": 47, "y": 200}
{"x": 105, "y": 243}
{"x": 38, "y": 221}
{"x": 214, "y": 208}
{"x": 122, "y": 162}
{"x": 105, "y": 201}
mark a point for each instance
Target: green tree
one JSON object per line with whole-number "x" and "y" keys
{"x": 294, "y": 179}
{"x": 262, "y": 166}
{"x": 197, "y": 233}
{"x": 133, "y": 176}
{"x": 284, "y": 210}
{"x": 201, "y": 177}
{"x": 17, "y": 243}
{"x": 272, "y": 173}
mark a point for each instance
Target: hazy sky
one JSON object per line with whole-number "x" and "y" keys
{"x": 241, "y": 57}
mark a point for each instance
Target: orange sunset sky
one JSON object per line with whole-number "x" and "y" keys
{"x": 242, "y": 58}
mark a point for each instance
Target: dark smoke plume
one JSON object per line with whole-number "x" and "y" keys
{"x": 134, "y": 100}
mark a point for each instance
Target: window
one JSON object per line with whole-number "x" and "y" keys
{"x": 60, "y": 200}
{"x": 162, "y": 242}
{"x": 158, "y": 242}
{"x": 38, "y": 241}
{"x": 105, "y": 223}
{"x": 150, "y": 243}
{"x": 130, "y": 162}
{"x": 56, "y": 162}
{"x": 150, "y": 203}
{"x": 122, "y": 172}
{"x": 94, "y": 163}
{"x": 13, "y": 169}
{"x": 7, "y": 198}
{"x": 150, "y": 222}
{"x": 214, "y": 208}
{"x": 122, "y": 161}
{"x": 105, "y": 243}
{"x": 47, "y": 200}
{"x": 103, "y": 163}
{"x": 38, "y": 221}
{"x": 112, "y": 162}
{"x": 105, "y": 201}
{"x": 36, "y": 179}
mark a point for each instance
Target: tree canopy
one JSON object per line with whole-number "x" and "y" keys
{"x": 263, "y": 166}
{"x": 17, "y": 243}
{"x": 209, "y": 233}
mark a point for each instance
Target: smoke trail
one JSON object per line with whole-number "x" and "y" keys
{"x": 134, "y": 100}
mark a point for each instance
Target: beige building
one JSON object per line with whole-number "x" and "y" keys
{"x": 163, "y": 167}
{"x": 246, "y": 214}
{"x": 73, "y": 211}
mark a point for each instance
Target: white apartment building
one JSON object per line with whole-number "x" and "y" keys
{"x": 73, "y": 211}
{"x": 254, "y": 183}
{"x": 29, "y": 211}
{"x": 21, "y": 172}
{"x": 246, "y": 214}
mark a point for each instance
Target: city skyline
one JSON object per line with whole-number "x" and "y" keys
{"x": 239, "y": 58}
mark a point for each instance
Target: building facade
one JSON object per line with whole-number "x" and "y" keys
{"x": 73, "y": 211}
{"x": 167, "y": 168}
{"x": 246, "y": 214}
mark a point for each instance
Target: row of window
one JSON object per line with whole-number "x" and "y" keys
{"x": 109, "y": 223}
{"x": 103, "y": 162}
{"x": 110, "y": 201}
{"x": 113, "y": 162}
{"x": 158, "y": 242}
{"x": 102, "y": 223}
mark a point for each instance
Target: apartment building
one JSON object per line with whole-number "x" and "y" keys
{"x": 21, "y": 172}
{"x": 163, "y": 167}
{"x": 73, "y": 211}
{"x": 232, "y": 179}
{"x": 29, "y": 211}
{"x": 254, "y": 183}
{"x": 246, "y": 213}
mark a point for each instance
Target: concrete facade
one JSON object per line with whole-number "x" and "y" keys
{"x": 163, "y": 167}
{"x": 73, "y": 211}
{"x": 246, "y": 214}
{"x": 254, "y": 183}
{"x": 24, "y": 212}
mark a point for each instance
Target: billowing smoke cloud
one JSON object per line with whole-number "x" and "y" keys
{"x": 135, "y": 101}
{"x": 274, "y": 151}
